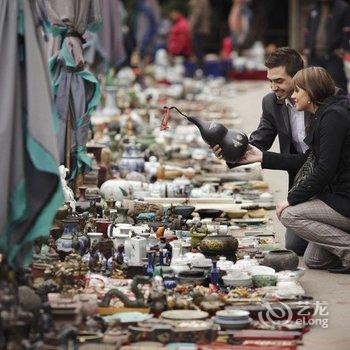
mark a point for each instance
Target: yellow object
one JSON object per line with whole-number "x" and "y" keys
{"x": 258, "y": 185}
{"x": 236, "y": 214}
{"x": 257, "y": 214}
{"x": 110, "y": 310}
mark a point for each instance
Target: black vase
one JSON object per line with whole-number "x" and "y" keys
{"x": 233, "y": 144}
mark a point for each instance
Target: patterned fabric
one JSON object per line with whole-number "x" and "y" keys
{"x": 327, "y": 232}
{"x": 305, "y": 171}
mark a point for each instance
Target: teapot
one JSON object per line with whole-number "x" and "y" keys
{"x": 233, "y": 144}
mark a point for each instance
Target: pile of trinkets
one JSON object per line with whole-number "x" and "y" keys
{"x": 158, "y": 244}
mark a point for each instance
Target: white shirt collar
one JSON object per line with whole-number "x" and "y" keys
{"x": 288, "y": 103}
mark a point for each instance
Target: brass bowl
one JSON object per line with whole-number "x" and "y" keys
{"x": 236, "y": 214}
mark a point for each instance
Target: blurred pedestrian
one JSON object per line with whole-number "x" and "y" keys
{"x": 179, "y": 40}
{"x": 239, "y": 23}
{"x": 200, "y": 13}
{"x": 326, "y": 39}
{"x": 147, "y": 21}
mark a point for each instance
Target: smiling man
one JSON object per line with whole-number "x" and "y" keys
{"x": 280, "y": 118}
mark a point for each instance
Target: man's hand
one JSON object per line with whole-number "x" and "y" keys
{"x": 252, "y": 155}
{"x": 217, "y": 151}
{"x": 280, "y": 207}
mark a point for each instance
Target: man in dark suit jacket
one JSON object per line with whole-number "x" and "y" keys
{"x": 280, "y": 118}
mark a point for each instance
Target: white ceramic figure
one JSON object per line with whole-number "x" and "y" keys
{"x": 68, "y": 192}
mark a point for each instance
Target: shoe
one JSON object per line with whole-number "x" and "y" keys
{"x": 340, "y": 269}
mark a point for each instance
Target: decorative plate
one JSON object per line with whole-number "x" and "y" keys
{"x": 184, "y": 315}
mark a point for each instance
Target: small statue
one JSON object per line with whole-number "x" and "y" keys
{"x": 90, "y": 225}
{"x": 97, "y": 262}
{"x": 68, "y": 192}
{"x": 157, "y": 297}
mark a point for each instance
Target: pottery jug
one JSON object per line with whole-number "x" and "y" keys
{"x": 281, "y": 260}
{"x": 232, "y": 143}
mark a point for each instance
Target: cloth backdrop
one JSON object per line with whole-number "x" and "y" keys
{"x": 30, "y": 188}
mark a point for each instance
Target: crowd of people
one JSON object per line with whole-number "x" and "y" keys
{"x": 184, "y": 28}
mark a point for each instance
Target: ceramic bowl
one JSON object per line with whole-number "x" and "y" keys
{"x": 260, "y": 281}
{"x": 184, "y": 315}
{"x": 209, "y": 213}
{"x": 194, "y": 276}
{"x": 261, "y": 270}
{"x": 257, "y": 214}
{"x": 202, "y": 264}
{"x": 184, "y": 210}
{"x": 231, "y": 281}
{"x": 236, "y": 214}
{"x": 232, "y": 314}
{"x": 233, "y": 324}
{"x": 179, "y": 267}
{"x": 285, "y": 276}
{"x": 300, "y": 271}
{"x": 128, "y": 317}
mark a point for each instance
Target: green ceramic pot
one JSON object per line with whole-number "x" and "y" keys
{"x": 220, "y": 245}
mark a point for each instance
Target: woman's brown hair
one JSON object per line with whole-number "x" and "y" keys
{"x": 316, "y": 81}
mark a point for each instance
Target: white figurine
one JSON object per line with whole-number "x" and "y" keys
{"x": 68, "y": 192}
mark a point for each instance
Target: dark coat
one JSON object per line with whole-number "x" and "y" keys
{"x": 338, "y": 23}
{"x": 274, "y": 122}
{"x": 329, "y": 140}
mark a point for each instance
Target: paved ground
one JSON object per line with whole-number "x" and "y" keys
{"x": 323, "y": 286}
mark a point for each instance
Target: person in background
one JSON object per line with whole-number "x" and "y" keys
{"x": 326, "y": 38}
{"x": 239, "y": 23}
{"x": 179, "y": 40}
{"x": 147, "y": 21}
{"x": 200, "y": 13}
{"x": 318, "y": 205}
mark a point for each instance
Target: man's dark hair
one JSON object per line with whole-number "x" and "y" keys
{"x": 285, "y": 57}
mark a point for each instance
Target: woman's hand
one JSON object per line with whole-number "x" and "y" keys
{"x": 252, "y": 155}
{"x": 280, "y": 207}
